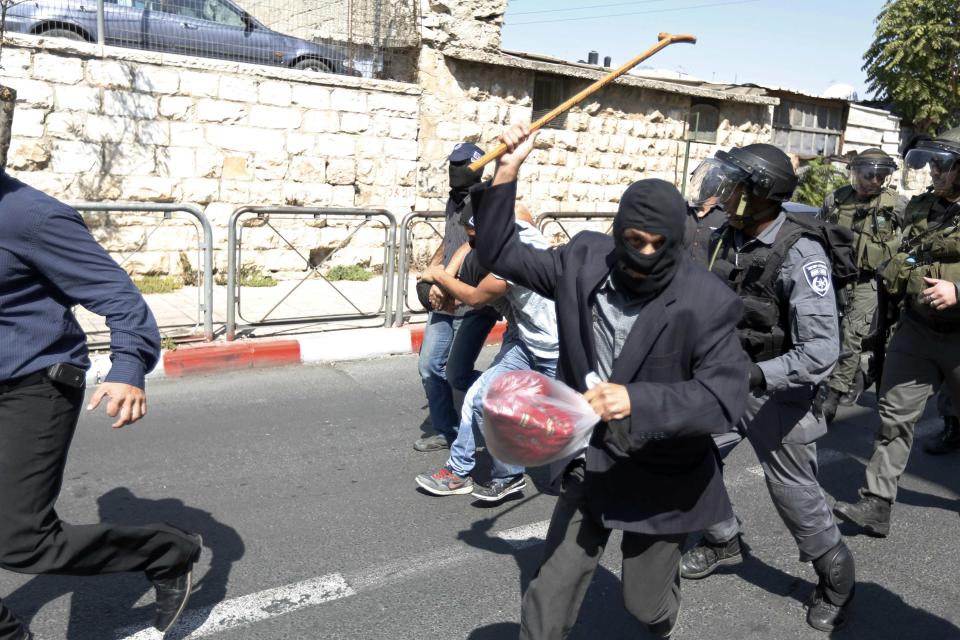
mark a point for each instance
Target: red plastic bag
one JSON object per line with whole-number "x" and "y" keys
{"x": 531, "y": 420}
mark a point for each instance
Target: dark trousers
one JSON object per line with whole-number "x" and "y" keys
{"x": 37, "y": 422}
{"x": 575, "y": 543}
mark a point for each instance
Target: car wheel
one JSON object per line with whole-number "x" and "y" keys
{"x": 63, "y": 33}
{"x": 312, "y": 64}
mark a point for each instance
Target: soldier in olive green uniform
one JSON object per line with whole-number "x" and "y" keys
{"x": 871, "y": 208}
{"x": 924, "y": 351}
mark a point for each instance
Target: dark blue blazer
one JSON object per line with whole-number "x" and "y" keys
{"x": 656, "y": 471}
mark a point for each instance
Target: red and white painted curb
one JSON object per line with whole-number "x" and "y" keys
{"x": 332, "y": 346}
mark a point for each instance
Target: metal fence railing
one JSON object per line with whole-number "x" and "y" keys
{"x": 126, "y": 231}
{"x": 404, "y": 305}
{"x": 560, "y": 226}
{"x": 352, "y": 37}
{"x": 267, "y": 223}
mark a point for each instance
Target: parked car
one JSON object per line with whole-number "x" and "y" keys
{"x": 208, "y": 28}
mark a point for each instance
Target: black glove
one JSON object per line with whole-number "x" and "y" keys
{"x": 423, "y": 294}
{"x": 757, "y": 380}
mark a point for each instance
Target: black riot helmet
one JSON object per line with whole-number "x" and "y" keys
{"x": 764, "y": 170}
{"x": 934, "y": 164}
{"x": 870, "y": 171}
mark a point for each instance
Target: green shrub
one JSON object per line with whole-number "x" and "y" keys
{"x": 250, "y": 276}
{"x": 158, "y": 284}
{"x": 349, "y": 272}
{"x": 818, "y": 179}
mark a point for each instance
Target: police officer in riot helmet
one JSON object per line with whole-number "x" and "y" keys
{"x": 873, "y": 210}
{"x": 779, "y": 267}
{"x": 924, "y": 351}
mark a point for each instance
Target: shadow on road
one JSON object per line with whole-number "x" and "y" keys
{"x": 114, "y": 597}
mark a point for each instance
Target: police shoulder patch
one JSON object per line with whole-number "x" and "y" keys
{"x": 817, "y": 273}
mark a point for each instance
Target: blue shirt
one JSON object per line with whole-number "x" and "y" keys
{"x": 49, "y": 262}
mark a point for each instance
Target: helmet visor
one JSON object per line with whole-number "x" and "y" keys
{"x": 935, "y": 168}
{"x": 712, "y": 183}
{"x": 868, "y": 178}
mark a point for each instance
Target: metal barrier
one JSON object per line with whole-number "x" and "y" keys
{"x": 403, "y": 261}
{"x": 264, "y": 214}
{"x": 204, "y": 249}
{"x": 557, "y": 218}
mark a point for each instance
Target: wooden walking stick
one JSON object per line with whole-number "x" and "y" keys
{"x": 664, "y": 40}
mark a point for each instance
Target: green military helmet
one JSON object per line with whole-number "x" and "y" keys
{"x": 934, "y": 164}
{"x": 870, "y": 171}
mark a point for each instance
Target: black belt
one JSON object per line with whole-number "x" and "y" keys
{"x": 866, "y": 277}
{"x": 940, "y": 326}
{"x": 23, "y": 381}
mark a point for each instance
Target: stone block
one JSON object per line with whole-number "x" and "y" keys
{"x": 198, "y": 84}
{"x": 269, "y": 117}
{"x": 110, "y": 74}
{"x": 400, "y": 149}
{"x": 354, "y": 122}
{"x": 186, "y": 134}
{"x": 336, "y": 145}
{"x": 234, "y": 138}
{"x": 59, "y": 69}
{"x": 200, "y": 190}
{"x": 177, "y": 162}
{"x": 235, "y": 191}
{"x": 298, "y": 143}
{"x": 379, "y": 126}
{"x": 342, "y": 196}
{"x": 128, "y": 159}
{"x": 488, "y": 113}
{"x": 397, "y": 104}
{"x": 267, "y": 192}
{"x": 28, "y": 123}
{"x": 130, "y": 105}
{"x": 73, "y": 157}
{"x": 237, "y": 88}
{"x": 316, "y": 121}
{"x": 469, "y": 132}
{"x": 566, "y": 140}
{"x": 309, "y": 169}
{"x": 176, "y": 107}
{"x": 209, "y": 162}
{"x": 369, "y": 147}
{"x": 276, "y": 93}
{"x": 76, "y": 98}
{"x": 156, "y": 80}
{"x": 299, "y": 194}
{"x": 271, "y": 166}
{"x": 341, "y": 171}
{"x": 348, "y": 100}
{"x": 109, "y": 129}
{"x": 153, "y": 132}
{"x": 29, "y": 156}
{"x": 151, "y": 189}
{"x": 32, "y": 93}
{"x": 468, "y": 110}
{"x": 311, "y": 97}
{"x": 235, "y": 168}
{"x": 16, "y": 62}
{"x": 220, "y": 111}
{"x": 64, "y": 125}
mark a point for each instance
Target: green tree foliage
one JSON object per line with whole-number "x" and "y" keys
{"x": 818, "y": 179}
{"x": 915, "y": 61}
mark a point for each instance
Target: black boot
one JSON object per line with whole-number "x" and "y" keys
{"x": 703, "y": 559}
{"x": 948, "y": 440}
{"x": 872, "y": 513}
{"x": 834, "y": 591}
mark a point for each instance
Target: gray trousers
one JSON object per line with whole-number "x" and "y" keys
{"x": 575, "y": 543}
{"x": 790, "y": 471}
{"x": 919, "y": 361}
{"x": 858, "y": 316}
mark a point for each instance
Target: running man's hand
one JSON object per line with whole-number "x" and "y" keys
{"x": 941, "y": 295}
{"x": 127, "y": 401}
{"x": 519, "y": 143}
{"x": 609, "y": 401}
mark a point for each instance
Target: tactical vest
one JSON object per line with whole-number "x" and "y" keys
{"x": 764, "y": 328}
{"x": 874, "y": 224}
{"x": 928, "y": 250}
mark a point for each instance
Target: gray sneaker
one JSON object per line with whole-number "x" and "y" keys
{"x": 432, "y": 443}
{"x": 445, "y": 483}
{"x": 498, "y": 489}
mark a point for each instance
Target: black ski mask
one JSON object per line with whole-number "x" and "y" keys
{"x": 461, "y": 179}
{"x": 654, "y": 206}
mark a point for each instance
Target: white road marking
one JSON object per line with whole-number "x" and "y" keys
{"x": 264, "y": 605}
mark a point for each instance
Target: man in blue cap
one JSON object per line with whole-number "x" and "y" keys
{"x": 454, "y": 335}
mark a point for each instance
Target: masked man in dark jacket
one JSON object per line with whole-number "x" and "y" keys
{"x": 659, "y": 333}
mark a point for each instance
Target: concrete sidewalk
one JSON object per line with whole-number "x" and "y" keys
{"x": 261, "y": 341}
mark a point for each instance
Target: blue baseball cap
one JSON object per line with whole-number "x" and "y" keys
{"x": 465, "y": 151}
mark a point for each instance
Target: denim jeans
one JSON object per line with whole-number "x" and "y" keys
{"x": 449, "y": 351}
{"x": 513, "y": 356}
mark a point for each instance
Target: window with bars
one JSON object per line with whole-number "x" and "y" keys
{"x": 807, "y": 129}
{"x": 549, "y": 91}
{"x": 703, "y": 122}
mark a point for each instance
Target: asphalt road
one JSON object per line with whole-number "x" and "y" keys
{"x": 301, "y": 482}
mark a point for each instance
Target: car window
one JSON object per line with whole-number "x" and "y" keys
{"x": 219, "y": 12}
{"x": 185, "y": 8}
{"x": 133, "y": 4}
